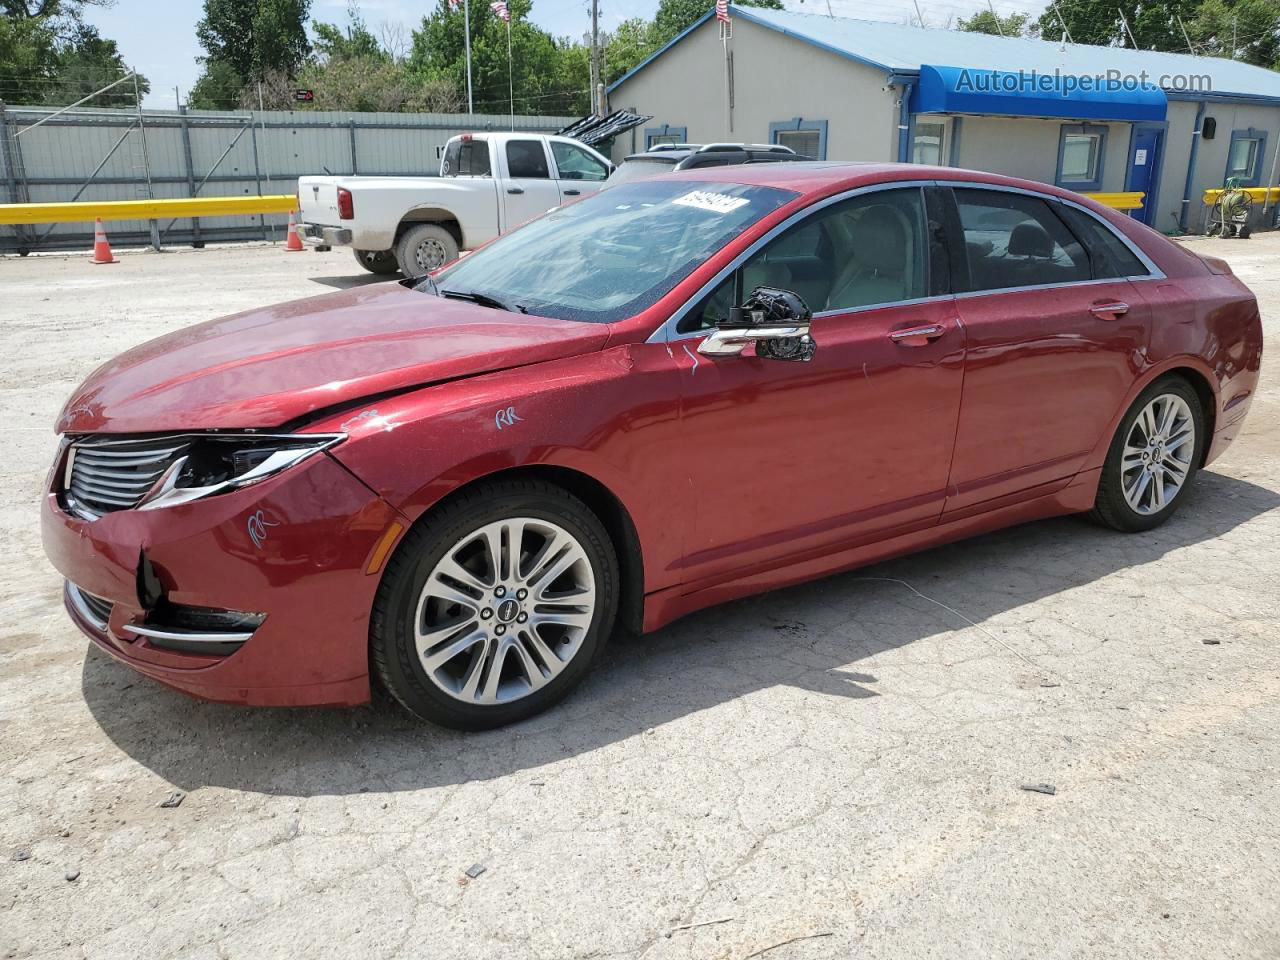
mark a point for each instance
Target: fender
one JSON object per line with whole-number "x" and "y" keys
{"x": 586, "y": 414}
{"x": 1097, "y": 457}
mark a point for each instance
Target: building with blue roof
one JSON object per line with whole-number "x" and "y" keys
{"x": 1091, "y": 119}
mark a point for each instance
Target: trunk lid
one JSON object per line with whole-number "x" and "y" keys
{"x": 318, "y": 201}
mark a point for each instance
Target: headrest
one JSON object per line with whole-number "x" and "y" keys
{"x": 1030, "y": 240}
{"x": 879, "y": 241}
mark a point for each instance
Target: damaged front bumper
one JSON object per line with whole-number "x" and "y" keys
{"x": 258, "y": 596}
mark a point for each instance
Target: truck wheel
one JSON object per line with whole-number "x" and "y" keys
{"x": 377, "y": 261}
{"x": 424, "y": 248}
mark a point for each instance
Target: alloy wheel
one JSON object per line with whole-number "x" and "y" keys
{"x": 1158, "y": 454}
{"x": 504, "y": 610}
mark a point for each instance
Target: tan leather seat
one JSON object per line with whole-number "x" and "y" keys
{"x": 878, "y": 258}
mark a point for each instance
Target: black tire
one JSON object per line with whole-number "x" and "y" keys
{"x": 424, "y": 248}
{"x": 377, "y": 261}
{"x": 1111, "y": 508}
{"x": 393, "y": 656}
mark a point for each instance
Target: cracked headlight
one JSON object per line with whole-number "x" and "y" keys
{"x": 218, "y": 463}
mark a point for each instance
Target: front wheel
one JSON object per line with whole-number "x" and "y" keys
{"x": 1153, "y": 457}
{"x": 377, "y": 261}
{"x": 495, "y": 605}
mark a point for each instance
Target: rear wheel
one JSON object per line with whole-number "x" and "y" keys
{"x": 424, "y": 248}
{"x": 377, "y": 261}
{"x": 1153, "y": 458}
{"x": 495, "y": 606}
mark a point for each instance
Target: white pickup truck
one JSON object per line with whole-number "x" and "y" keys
{"x": 488, "y": 184}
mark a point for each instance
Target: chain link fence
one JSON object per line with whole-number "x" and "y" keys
{"x": 127, "y": 154}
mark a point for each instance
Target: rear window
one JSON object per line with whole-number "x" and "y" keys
{"x": 466, "y": 158}
{"x": 639, "y": 167}
{"x": 1110, "y": 256}
{"x": 1014, "y": 240}
{"x": 527, "y": 160}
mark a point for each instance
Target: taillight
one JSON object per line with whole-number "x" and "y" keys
{"x": 346, "y": 209}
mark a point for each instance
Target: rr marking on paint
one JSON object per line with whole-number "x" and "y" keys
{"x": 257, "y": 527}
{"x": 506, "y": 418}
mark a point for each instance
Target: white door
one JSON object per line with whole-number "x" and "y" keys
{"x": 579, "y": 171}
{"x": 527, "y": 188}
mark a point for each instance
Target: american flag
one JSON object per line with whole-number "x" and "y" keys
{"x": 500, "y": 8}
{"x": 455, "y": 3}
{"x": 722, "y": 10}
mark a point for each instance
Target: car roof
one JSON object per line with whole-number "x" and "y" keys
{"x": 822, "y": 177}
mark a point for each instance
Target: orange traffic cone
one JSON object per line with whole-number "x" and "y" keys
{"x": 101, "y": 249}
{"x": 293, "y": 243}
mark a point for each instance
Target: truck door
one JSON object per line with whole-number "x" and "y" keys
{"x": 578, "y": 171}
{"x": 527, "y": 188}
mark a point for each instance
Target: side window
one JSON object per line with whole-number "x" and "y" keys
{"x": 861, "y": 252}
{"x": 1015, "y": 240}
{"x": 466, "y": 158}
{"x": 574, "y": 163}
{"x": 526, "y": 159}
{"x": 1108, "y": 253}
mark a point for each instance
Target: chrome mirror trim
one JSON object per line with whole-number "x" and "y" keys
{"x": 730, "y": 343}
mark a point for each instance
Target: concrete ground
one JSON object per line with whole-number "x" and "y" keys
{"x": 831, "y": 771}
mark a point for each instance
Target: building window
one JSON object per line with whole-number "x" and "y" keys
{"x": 1244, "y": 157}
{"x": 806, "y": 137}
{"x": 927, "y": 146}
{"x": 665, "y": 134}
{"x": 1081, "y": 148}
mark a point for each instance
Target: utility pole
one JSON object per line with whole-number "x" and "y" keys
{"x": 1233, "y": 36}
{"x": 595, "y": 57}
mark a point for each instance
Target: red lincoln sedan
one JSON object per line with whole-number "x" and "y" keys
{"x": 680, "y": 391}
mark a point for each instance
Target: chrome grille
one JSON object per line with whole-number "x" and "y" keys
{"x": 94, "y": 609}
{"x": 107, "y": 475}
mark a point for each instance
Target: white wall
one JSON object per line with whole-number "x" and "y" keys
{"x": 776, "y": 78}
{"x": 1028, "y": 147}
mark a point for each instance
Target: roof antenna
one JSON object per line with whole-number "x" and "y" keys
{"x": 919, "y": 15}
{"x": 829, "y": 13}
{"x": 1066, "y": 34}
{"x": 1125, "y": 21}
{"x": 996, "y": 17}
{"x": 1185, "y": 36}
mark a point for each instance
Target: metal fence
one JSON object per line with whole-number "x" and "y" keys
{"x": 131, "y": 155}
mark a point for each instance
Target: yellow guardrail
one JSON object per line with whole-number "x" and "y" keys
{"x": 88, "y": 211}
{"x": 1259, "y": 195}
{"x": 1118, "y": 201}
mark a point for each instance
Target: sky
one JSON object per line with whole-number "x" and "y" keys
{"x": 158, "y": 38}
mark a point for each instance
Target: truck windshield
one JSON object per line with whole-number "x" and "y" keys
{"x": 613, "y": 254}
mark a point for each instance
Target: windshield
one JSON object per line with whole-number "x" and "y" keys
{"x": 636, "y": 168}
{"x": 614, "y": 254}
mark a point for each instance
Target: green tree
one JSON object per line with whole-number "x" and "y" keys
{"x": 547, "y": 75}
{"x": 50, "y": 56}
{"x": 218, "y": 87}
{"x": 254, "y": 37}
{"x": 676, "y": 16}
{"x": 356, "y": 41}
{"x": 1247, "y": 30}
{"x": 627, "y": 46}
{"x": 1100, "y": 22}
{"x": 984, "y": 21}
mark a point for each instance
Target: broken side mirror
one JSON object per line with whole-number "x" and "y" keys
{"x": 775, "y": 320}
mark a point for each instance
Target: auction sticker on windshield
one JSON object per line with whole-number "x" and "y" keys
{"x": 715, "y": 202}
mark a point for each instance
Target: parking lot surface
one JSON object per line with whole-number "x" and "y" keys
{"x": 831, "y": 771}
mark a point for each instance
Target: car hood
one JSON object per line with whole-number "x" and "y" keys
{"x": 267, "y": 367}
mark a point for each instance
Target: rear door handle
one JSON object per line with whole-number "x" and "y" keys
{"x": 1109, "y": 310}
{"x": 572, "y": 193}
{"x": 515, "y": 189}
{"x": 917, "y": 336}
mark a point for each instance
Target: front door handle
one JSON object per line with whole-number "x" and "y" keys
{"x": 515, "y": 189}
{"x": 1109, "y": 310}
{"x": 917, "y": 336}
{"x": 572, "y": 193}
